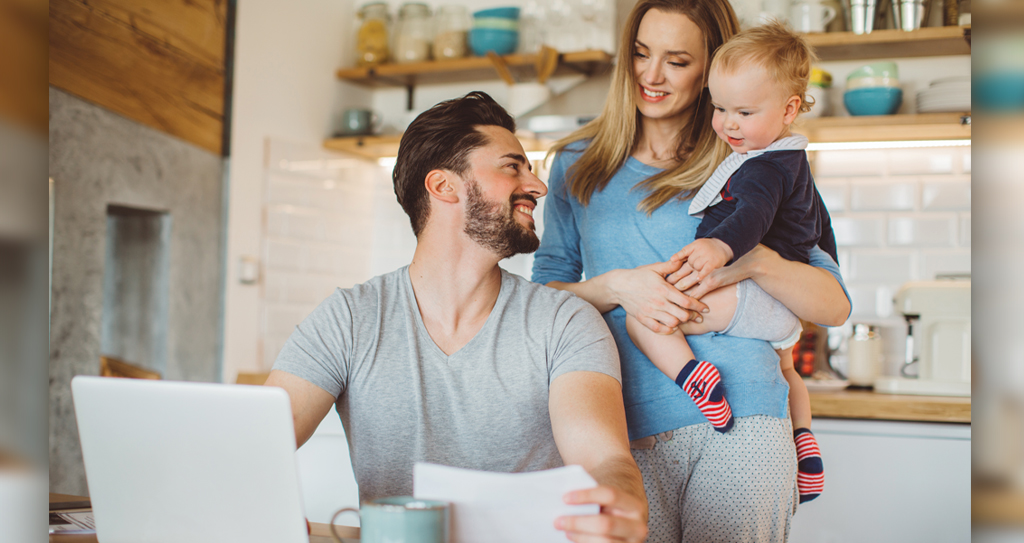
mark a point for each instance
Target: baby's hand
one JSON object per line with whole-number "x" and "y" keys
{"x": 705, "y": 255}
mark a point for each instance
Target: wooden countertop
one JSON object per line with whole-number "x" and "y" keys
{"x": 319, "y": 533}
{"x": 865, "y": 404}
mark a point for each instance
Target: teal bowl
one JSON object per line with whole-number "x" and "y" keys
{"x": 500, "y": 13}
{"x": 502, "y": 42}
{"x": 873, "y": 100}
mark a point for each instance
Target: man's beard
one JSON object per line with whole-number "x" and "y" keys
{"x": 492, "y": 227}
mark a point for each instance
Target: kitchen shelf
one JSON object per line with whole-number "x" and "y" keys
{"x": 921, "y": 126}
{"x": 924, "y": 126}
{"x": 375, "y": 147}
{"x": 520, "y": 67}
{"x": 925, "y": 42}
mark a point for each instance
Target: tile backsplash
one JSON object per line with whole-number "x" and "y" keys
{"x": 899, "y": 215}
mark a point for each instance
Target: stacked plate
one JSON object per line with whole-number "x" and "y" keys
{"x": 950, "y": 94}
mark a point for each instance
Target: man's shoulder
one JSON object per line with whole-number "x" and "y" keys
{"x": 369, "y": 292}
{"x": 539, "y": 299}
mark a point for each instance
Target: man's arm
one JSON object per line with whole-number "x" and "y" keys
{"x": 589, "y": 424}
{"x": 310, "y": 403}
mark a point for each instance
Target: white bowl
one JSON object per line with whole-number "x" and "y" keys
{"x": 864, "y": 82}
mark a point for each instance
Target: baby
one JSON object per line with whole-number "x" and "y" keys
{"x": 762, "y": 193}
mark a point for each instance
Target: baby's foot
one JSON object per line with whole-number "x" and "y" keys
{"x": 701, "y": 381}
{"x": 810, "y": 475}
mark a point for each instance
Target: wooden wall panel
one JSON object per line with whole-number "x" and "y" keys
{"x": 160, "y": 63}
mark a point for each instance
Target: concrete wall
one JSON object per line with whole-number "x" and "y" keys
{"x": 98, "y": 158}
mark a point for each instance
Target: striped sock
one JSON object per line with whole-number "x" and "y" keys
{"x": 810, "y": 475}
{"x": 701, "y": 381}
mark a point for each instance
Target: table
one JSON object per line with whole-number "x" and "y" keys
{"x": 321, "y": 533}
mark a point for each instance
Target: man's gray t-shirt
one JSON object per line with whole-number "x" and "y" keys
{"x": 403, "y": 400}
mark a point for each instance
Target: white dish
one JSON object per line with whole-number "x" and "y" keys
{"x": 825, "y": 385}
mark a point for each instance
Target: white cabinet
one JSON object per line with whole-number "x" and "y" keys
{"x": 898, "y": 482}
{"x": 325, "y": 473}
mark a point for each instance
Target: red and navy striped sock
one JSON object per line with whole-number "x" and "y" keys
{"x": 701, "y": 381}
{"x": 810, "y": 475}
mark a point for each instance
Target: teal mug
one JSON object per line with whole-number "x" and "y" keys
{"x": 359, "y": 122}
{"x": 401, "y": 519}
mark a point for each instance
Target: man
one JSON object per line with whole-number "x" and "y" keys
{"x": 452, "y": 360}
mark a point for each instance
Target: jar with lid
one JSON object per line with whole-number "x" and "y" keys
{"x": 452, "y": 24}
{"x": 372, "y": 34}
{"x": 413, "y": 34}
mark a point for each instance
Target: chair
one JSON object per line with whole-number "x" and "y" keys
{"x": 251, "y": 378}
{"x": 112, "y": 367}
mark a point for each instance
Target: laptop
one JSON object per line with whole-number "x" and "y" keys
{"x": 198, "y": 462}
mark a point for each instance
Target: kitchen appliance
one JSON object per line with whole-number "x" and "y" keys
{"x": 864, "y": 359}
{"x": 938, "y": 315}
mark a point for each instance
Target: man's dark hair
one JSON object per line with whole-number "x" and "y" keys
{"x": 441, "y": 138}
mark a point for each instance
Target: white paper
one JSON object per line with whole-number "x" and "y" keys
{"x": 491, "y": 507}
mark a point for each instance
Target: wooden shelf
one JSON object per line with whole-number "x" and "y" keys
{"x": 922, "y": 126}
{"x": 375, "y": 147}
{"x": 925, "y": 126}
{"x": 521, "y": 67}
{"x": 863, "y": 404}
{"x": 926, "y": 42}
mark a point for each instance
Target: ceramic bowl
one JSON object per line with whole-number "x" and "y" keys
{"x": 497, "y": 23}
{"x": 873, "y": 101}
{"x": 885, "y": 68}
{"x": 501, "y": 13}
{"x": 868, "y": 82}
{"x": 502, "y": 42}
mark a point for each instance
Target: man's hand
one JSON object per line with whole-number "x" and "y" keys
{"x": 622, "y": 518}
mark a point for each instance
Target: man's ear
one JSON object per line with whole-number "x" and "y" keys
{"x": 792, "y": 109}
{"x": 441, "y": 184}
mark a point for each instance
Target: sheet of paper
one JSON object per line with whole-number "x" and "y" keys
{"x": 72, "y": 522}
{"x": 490, "y": 507}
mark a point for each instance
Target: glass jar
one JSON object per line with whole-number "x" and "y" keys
{"x": 372, "y": 36}
{"x": 413, "y": 34}
{"x": 452, "y": 24}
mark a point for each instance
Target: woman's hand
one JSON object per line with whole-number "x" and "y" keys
{"x": 645, "y": 294}
{"x": 750, "y": 265}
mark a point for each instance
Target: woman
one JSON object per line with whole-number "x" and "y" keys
{"x": 618, "y": 199}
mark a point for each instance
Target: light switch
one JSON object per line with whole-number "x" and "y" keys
{"x": 248, "y": 270}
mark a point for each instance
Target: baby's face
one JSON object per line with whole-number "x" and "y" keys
{"x": 751, "y": 110}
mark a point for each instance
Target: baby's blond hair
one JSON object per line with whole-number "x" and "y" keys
{"x": 785, "y": 56}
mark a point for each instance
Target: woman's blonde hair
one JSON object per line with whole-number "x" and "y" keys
{"x": 783, "y": 55}
{"x": 615, "y": 133}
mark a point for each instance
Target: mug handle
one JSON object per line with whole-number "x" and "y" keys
{"x": 334, "y": 534}
{"x": 830, "y": 13}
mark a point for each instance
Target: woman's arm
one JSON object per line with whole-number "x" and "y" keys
{"x": 642, "y": 292}
{"x": 811, "y": 293}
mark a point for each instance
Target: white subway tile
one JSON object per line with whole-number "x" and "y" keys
{"x": 934, "y": 263}
{"x": 945, "y": 195}
{"x": 966, "y": 158}
{"x": 923, "y": 231}
{"x": 275, "y": 287}
{"x": 325, "y": 259}
{"x": 880, "y": 267}
{"x": 849, "y": 163}
{"x": 833, "y": 192}
{"x": 303, "y": 224}
{"x": 277, "y": 222}
{"x": 965, "y": 229}
{"x": 281, "y": 320}
{"x": 883, "y": 301}
{"x": 272, "y": 345}
{"x": 844, "y": 261}
{"x": 920, "y": 161}
{"x": 891, "y": 194}
{"x": 285, "y": 255}
{"x": 859, "y": 231}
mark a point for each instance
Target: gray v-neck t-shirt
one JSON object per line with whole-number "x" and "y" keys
{"x": 403, "y": 400}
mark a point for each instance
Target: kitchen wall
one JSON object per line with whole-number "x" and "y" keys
{"x": 99, "y": 158}
{"x": 286, "y": 54}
